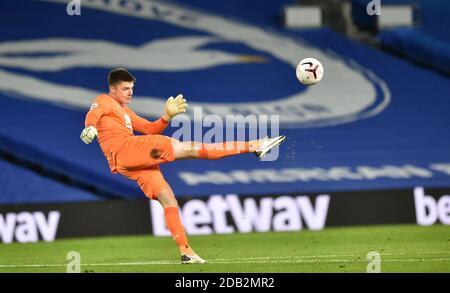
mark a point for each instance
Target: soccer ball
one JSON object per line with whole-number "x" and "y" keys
{"x": 309, "y": 71}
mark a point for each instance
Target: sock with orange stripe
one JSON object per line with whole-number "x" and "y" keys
{"x": 173, "y": 223}
{"x": 214, "y": 151}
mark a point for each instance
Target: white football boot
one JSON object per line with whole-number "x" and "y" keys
{"x": 268, "y": 144}
{"x": 187, "y": 259}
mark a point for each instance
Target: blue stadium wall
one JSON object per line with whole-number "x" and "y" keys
{"x": 375, "y": 125}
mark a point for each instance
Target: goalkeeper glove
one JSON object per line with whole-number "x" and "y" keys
{"x": 88, "y": 134}
{"x": 174, "y": 107}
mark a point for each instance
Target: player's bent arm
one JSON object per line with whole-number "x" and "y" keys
{"x": 94, "y": 114}
{"x": 90, "y": 133}
{"x": 144, "y": 126}
{"x": 173, "y": 107}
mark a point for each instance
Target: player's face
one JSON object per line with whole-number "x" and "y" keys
{"x": 122, "y": 92}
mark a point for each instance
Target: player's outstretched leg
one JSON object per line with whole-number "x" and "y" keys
{"x": 173, "y": 223}
{"x": 214, "y": 151}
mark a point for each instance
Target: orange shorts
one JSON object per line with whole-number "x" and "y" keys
{"x": 139, "y": 158}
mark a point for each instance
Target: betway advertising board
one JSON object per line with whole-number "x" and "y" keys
{"x": 222, "y": 214}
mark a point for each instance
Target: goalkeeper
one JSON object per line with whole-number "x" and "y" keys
{"x": 138, "y": 157}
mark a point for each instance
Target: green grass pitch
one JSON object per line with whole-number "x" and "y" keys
{"x": 403, "y": 248}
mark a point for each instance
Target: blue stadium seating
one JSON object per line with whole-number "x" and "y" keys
{"x": 377, "y": 122}
{"x": 19, "y": 185}
{"x": 427, "y": 42}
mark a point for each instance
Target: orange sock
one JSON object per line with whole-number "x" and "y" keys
{"x": 214, "y": 151}
{"x": 175, "y": 227}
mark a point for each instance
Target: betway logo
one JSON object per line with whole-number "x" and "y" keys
{"x": 26, "y": 226}
{"x": 429, "y": 210}
{"x": 228, "y": 214}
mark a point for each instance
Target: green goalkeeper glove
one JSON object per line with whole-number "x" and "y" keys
{"x": 174, "y": 107}
{"x": 88, "y": 134}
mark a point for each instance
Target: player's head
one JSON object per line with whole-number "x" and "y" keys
{"x": 121, "y": 84}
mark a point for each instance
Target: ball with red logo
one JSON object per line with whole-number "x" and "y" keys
{"x": 309, "y": 71}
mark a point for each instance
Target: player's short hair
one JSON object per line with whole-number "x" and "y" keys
{"x": 120, "y": 74}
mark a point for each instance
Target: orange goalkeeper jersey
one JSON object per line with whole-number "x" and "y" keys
{"x": 115, "y": 123}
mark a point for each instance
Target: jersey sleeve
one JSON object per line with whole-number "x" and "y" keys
{"x": 98, "y": 109}
{"x": 144, "y": 126}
